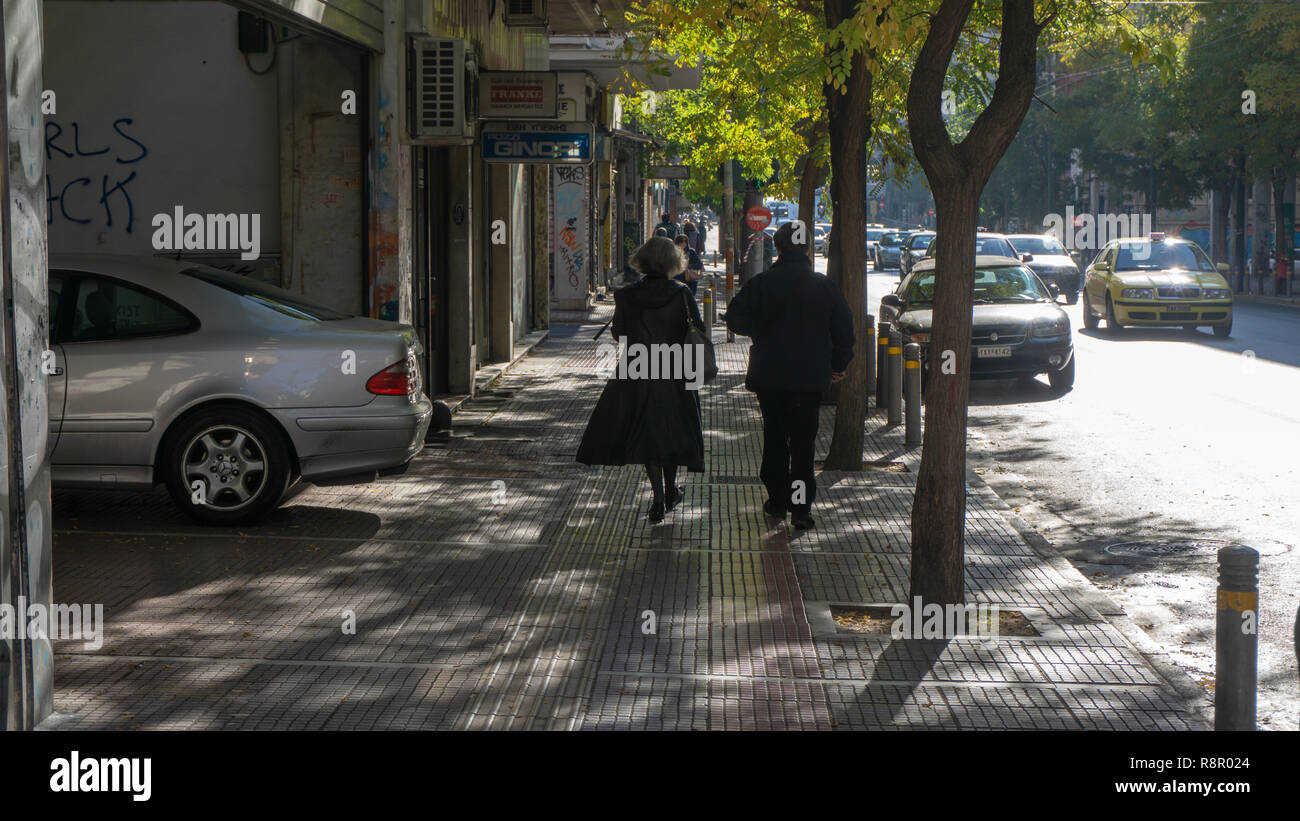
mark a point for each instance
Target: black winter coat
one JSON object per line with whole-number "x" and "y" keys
{"x": 647, "y": 421}
{"x": 800, "y": 325}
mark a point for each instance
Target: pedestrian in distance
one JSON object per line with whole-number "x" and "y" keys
{"x": 801, "y": 333}
{"x": 669, "y": 227}
{"x": 694, "y": 237}
{"x": 653, "y": 421}
{"x": 694, "y": 266}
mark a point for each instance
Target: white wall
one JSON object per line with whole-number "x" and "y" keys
{"x": 161, "y": 89}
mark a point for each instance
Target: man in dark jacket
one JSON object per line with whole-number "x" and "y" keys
{"x": 802, "y": 334}
{"x": 670, "y": 227}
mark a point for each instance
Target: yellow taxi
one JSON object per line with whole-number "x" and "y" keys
{"x": 1156, "y": 280}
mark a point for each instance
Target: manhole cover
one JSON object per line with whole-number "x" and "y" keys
{"x": 1167, "y": 548}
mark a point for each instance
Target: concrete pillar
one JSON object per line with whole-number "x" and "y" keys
{"x": 462, "y": 353}
{"x": 390, "y": 239}
{"x": 501, "y": 289}
{"x": 541, "y": 232}
{"x": 26, "y": 668}
{"x": 571, "y": 240}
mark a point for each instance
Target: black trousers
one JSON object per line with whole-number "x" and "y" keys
{"x": 789, "y": 441}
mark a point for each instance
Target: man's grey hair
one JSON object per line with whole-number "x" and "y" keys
{"x": 659, "y": 256}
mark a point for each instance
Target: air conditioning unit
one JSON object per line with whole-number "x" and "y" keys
{"x": 525, "y": 12}
{"x": 441, "y": 90}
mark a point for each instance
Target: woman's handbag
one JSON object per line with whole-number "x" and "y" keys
{"x": 695, "y": 335}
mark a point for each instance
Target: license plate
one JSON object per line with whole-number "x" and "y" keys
{"x": 993, "y": 352}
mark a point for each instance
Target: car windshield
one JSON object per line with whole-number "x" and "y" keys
{"x": 990, "y": 246}
{"x": 874, "y": 234}
{"x": 1152, "y": 256}
{"x": 1002, "y": 284}
{"x": 277, "y": 299}
{"x": 993, "y": 246}
{"x": 1047, "y": 246}
{"x": 919, "y": 240}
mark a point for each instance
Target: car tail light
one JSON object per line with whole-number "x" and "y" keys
{"x": 398, "y": 379}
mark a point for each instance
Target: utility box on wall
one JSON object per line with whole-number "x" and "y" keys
{"x": 441, "y": 89}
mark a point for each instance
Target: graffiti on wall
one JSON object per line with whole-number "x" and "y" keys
{"x": 571, "y": 238}
{"x": 89, "y": 171}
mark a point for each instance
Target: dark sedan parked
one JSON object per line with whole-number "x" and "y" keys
{"x": 1049, "y": 259}
{"x": 889, "y": 250}
{"x": 1017, "y": 329}
{"x": 913, "y": 250}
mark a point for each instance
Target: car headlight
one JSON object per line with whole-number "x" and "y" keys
{"x": 1050, "y": 327}
{"x": 1216, "y": 293}
{"x": 1138, "y": 293}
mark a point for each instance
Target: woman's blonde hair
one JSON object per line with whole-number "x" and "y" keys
{"x": 659, "y": 256}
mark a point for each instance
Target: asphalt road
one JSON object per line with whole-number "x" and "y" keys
{"x": 1168, "y": 435}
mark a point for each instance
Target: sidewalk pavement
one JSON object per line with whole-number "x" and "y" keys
{"x": 499, "y": 585}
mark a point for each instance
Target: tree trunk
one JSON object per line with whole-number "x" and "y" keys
{"x": 808, "y": 180}
{"x": 848, "y": 116}
{"x": 1237, "y": 242}
{"x": 957, "y": 175}
{"x": 1259, "y": 231}
{"x": 1219, "y": 222}
{"x": 939, "y": 507}
{"x": 1283, "y": 228}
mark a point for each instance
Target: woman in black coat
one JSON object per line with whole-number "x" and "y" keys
{"x": 650, "y": 421}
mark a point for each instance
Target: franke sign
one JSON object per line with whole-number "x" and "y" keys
{"x": 536, "y": 143}
{"x": 517, "y": 95}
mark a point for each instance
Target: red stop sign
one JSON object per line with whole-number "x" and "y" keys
{"x": 758, "y": 218}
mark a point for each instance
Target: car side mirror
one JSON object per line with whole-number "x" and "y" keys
{"x": 1222, "y": 267}
{"x": 893, "y": 301}
{"x": 1026, "y": 257}
{"x": 1054, "y": 288}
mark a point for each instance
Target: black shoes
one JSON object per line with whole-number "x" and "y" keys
{"x": 803, "y": 521}
{"x": 673, "y": 496}
{"x": 772, "y": 511}
{"x": 656, "y": 513}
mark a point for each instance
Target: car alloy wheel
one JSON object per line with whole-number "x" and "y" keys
{"x": 227, "y": 465}
{"x": 230, "y": 462}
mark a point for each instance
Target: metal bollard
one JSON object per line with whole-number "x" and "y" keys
{"x": 912, "y": 391}
{"x": 731, "y": 288}
{"x": 709, "y": 312}
{"x": 871, "y": 360}
{"x": 1236, "y": 639}
{"x": 882, "y": 360}
{"x": 895, "y": 365}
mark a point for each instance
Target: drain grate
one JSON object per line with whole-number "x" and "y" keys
{"x": 1167, "y": 548}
